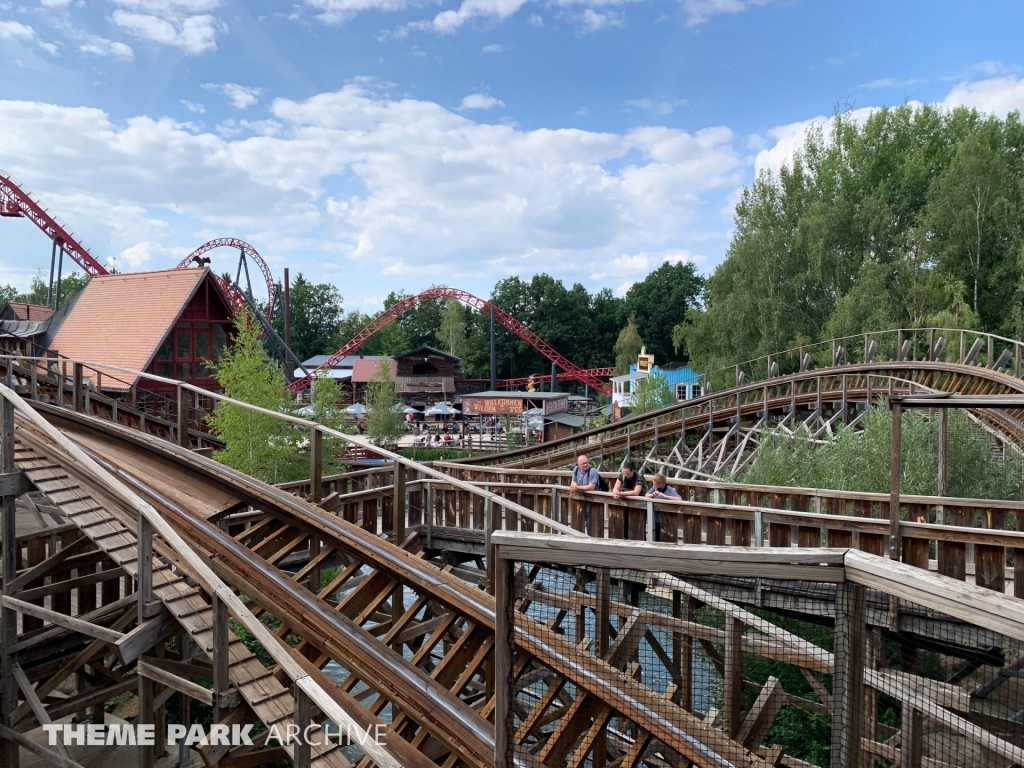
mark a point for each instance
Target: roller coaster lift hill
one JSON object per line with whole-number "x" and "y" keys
{"x": 17, "y": 202}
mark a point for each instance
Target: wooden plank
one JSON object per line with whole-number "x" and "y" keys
{"x": 791, "y": 563}
{"x": 180, "y": 684}
{"x": 504, "y": 649}
{"x": 968, "y": 602}
{"x": 733, "y": 677}
{"x": 61, "y": 620}
{"x": 762, "y": 715}
{"x": 847, "y": 694}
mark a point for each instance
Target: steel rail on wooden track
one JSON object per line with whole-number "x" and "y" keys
{"x": 42, "y": 436}
{"x": 825, "y": 397}
{"x": 439, "y": 628}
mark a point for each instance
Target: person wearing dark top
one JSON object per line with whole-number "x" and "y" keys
{"x": 630, "y": 482}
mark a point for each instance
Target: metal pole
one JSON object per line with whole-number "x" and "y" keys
{"x": 53, "y": 263}
{"x": 287, "y": 310}
{"x": 554, "y": 378}
{"x": 494, "y": 356}
{"x": 60, "y": 269}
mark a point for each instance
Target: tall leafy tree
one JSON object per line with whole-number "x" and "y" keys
{"x": 385, "y": 422}
{"x": 911, "y": 218}
{"x": 627, "y": 347}
{"x": 259, "y": 445}
{"x": 451, "y": 333}
{"x": 660, "y": 302}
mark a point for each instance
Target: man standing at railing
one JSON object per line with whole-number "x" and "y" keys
{"x": 584, "y": 476}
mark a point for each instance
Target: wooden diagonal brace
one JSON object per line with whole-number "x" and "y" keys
{"x": 68, "y": 622}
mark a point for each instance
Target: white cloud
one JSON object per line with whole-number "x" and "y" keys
{"x": 363, "y": 176}
{"x": 55, "y": 3}
{"x": 193, "y": 107}
{"x": 623, "y": 289}
{"x": 137, "y": 255}
{"x": 536, "y": 20}
{"x": 480, "y": 101}
{"x": 15, "y": 30}
{"x": 592, "y": 21}
{"x": 493, "y": 10}
{"x": 998, "y": 95}
{"x": 892, "y": 82}
{"x": 701, "y": 11}
{"x": 185, "y": 24}
{"x": 657, "y": 107}
{"x": 100, "y": 46}
{"x": 240, "y": 96}
{"x": 493, "y": 48}
{"x": 337, "y": 11}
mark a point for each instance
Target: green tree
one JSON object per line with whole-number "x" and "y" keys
{"x": 327, "y": 410}
{"x": 651, "y": 393}
{"x": 391, "y": 340}
{"x": 385, "y": 422}
{"x": 894, "y": 222}
{"x": 257, "y": 444}
{"x": 420, "y": 323}
{"x": 451, "y": 334}
{"x": 969, "y": 208}
{"x": 315, "y": 317}
{"x": 36, "y": 294}
{"x": 660, "y": 302}
{"x": 627, "y": 347}
{"x": 8, "y": 293}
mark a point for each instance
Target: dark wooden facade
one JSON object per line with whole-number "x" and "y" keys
{"x": 427, "y": 361}
{"x": 203, "y": 330}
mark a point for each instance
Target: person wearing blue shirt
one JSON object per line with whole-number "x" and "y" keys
{"x": 660, "y": 489}
{"x": 584, "y": 476}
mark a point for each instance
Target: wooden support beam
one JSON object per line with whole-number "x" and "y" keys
{"x": 602, "y": 610}
{"x": 301, "y": 752}
{"x": 733, "y": 674}
{"x": 61, "y": 620}
{"x": 911, "y": 738}
{"x": 504, "y": 650}
{"x": 55, "y": 759}
{"x": 43, "y": 568}
{"x": 36, "y": 705}
{"x": 847, "y": 685}
{"x": 761, "y": 716}
{"x": 221, "y": 657}
{"x": 895, "y": 472}
{"x": 193, "y": 690}
{"x": 627, "y": 640}
{"x": 184, "y": 404}
{"x": 8, "y": 616}
{"x": 145, "y": 636}
{"x": 316, "y": 465}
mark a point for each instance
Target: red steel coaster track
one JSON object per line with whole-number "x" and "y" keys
{"x": 247, "y": 252}
{"x": 570, "y": 369}
{"x": 17, "y": 202}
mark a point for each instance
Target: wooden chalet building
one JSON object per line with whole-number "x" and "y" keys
{"x": 171, "y": 323}
{"x": 23, "y": 328}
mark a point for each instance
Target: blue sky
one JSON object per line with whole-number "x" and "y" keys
{"x": 386, "y": 144}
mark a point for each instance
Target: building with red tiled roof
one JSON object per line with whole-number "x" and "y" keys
{"x": 171, "y": 323}
{"x": 19, "y": 310}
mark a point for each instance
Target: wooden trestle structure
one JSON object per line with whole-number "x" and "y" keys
{"x": 372, "y": 594}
